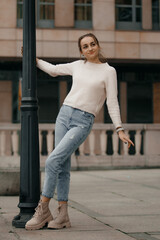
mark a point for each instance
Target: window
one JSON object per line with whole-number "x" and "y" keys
{"x": 156, "y": 14}
{"x": 45, "y": 13}
{"x": 19, "y": 13}
{"x": 128, "y": 14}
{"x": 83, "y": 13}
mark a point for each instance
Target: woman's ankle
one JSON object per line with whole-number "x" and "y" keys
{"x": 45, "y": 199}
{"x": 62, "y": 202}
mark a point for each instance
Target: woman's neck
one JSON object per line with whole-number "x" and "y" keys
{"x": 94, "y": 61}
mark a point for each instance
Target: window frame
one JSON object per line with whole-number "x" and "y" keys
{"x": 129, "y": 25}
{"x": 44, "y": 23}
{"x": 155, "y": 25}
{"x": 83, "y": 23}
{"x": 20, "y": 20}
{"x": 39, "y": 23}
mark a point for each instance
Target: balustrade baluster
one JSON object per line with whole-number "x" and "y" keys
{"x": 103, "y": 142}
{"x": 115, "y": 140}
{"x": 50, "y": 141}
{"x": 15, "y": 146}
{"x": 92, "y": 146}
{"x": 40, "y": 142}
{"x": 92, "y": 143}
{"x": 138, "y": 142}
{"x": 81, "y": 149}
{"x": 3, "y": 143}
{"x": 125, "y": 146}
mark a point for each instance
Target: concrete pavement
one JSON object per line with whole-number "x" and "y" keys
{"x": 104, "y": 205}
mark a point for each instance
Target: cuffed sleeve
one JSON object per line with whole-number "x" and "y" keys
{"x": 112, "y": 101}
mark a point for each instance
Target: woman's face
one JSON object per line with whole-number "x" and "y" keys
{"x": 90, "y": 49}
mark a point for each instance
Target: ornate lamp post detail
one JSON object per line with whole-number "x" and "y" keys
{"x": 29, "y": 167}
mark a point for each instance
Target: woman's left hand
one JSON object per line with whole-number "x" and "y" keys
{"x": 125, "y": 138}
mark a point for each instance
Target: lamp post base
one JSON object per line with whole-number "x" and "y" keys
{"x": 21, "y": 219}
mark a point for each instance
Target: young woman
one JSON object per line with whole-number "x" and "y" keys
{"x": 94, "y": 81}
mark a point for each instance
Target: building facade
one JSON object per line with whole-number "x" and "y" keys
{"x": 129, "y": 35}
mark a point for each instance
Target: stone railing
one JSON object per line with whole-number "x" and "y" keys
{"x": 101, "y": 148}
{"x": 9, "y": 139}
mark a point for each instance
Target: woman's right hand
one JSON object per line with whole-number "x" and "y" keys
{"x": 37, "y": 60}
{"x": 22, "y": 50}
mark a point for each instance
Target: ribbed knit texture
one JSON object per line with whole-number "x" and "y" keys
{"x": 92, "y": 84}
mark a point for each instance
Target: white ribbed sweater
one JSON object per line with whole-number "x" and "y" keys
{"x": 92, "y": 85}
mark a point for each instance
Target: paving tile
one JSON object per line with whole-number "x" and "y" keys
{"x": 133, "y": 223}
{"x": 156, "y": 236}
{"x": 110, "y": 205}
{"x": 75, "y": 235}
{"x": 142, "y": 236}
{"x": 6, "y": 231}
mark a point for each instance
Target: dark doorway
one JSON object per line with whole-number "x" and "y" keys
{"x": 139, "y": 102}
{"x": 48, "y": 100}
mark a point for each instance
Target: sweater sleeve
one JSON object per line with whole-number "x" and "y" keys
{"x": 55, "y": 70}
{"x": 112, "y": 101}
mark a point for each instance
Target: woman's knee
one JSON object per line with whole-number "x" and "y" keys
{"x": 51, "y": 163}
{"x": 64, "y": 175}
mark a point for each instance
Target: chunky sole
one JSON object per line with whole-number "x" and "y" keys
{"x": 39, "y": 226}
{"x": 54, "y": 225}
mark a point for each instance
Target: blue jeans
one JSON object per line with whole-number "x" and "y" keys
{"x": 72, "y": 128}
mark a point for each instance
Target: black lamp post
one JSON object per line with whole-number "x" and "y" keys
{"x": 29, "y": 166}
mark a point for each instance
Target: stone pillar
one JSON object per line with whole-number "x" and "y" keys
{"x": 103, "y": 14}
{"x": 123, "y": 101}
{"x": 8, "y": 13}
{"x": 64, "y": 13}
{"x": 6, "y": 99}
{"x": 6, "y": 110}
{"x": 147, "y": 14}
{"x": 156, "y": 102}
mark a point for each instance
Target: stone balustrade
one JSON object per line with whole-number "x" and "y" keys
{"x": 9, "y": 139}
{"x": 102, "y": 147}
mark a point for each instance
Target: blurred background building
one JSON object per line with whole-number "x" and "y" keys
{"x": 129, "y": 35}
{"x": 128, "y": 31}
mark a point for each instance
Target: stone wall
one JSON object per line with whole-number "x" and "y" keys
{"x": 61, "y": 42}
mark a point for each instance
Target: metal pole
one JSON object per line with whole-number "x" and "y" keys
{"x": 159, "y": 14}
{"x": 29, "y": 166}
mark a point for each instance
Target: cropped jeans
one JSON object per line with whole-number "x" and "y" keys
{"x": 72, "y": 128}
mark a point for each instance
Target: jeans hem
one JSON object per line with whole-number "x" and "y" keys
{"x": 62, "y": 200}
{"x": 45, "y": 195}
